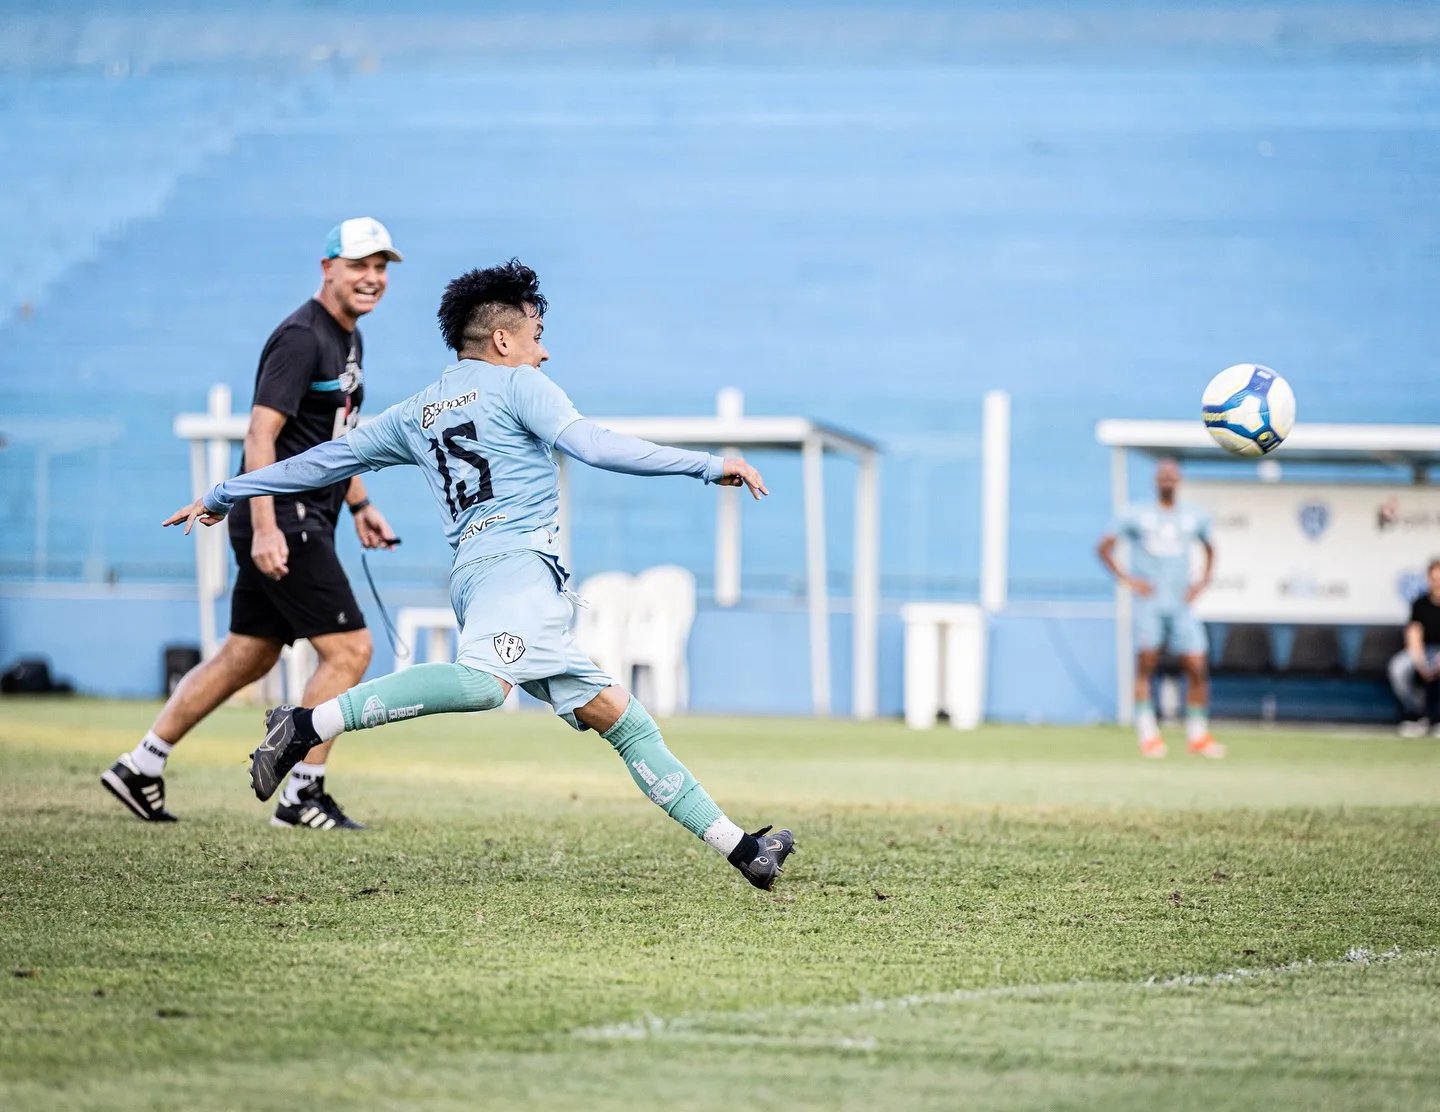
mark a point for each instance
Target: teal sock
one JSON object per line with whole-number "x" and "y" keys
{"x": 423, "y": 689}
{"x": 657, "y": 773}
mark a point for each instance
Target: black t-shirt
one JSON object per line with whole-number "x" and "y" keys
{"x": 310, "y": 371}
{"x": 1428, "y": 615}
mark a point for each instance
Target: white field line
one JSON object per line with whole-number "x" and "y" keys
{"x": 696, "y": 1028}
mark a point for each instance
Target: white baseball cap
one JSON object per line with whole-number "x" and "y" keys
{"x": 359, "y": 239}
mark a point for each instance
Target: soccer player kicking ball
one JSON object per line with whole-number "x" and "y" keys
{"x": 484, "y": 435}
{"x": 1161, "y": 538}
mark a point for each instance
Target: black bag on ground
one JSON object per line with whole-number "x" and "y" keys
{"x": 31, "y": 676}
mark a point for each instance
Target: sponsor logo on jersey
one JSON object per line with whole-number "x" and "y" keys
{"x": 372, "y": 713}
{"x": 430, "y": 413}
{"x": 509, "y": 648}
{"x": 667, "y": 789}
{"x": 475, "y": 528}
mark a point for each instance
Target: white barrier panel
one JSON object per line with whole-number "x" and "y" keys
{"x": 944, "y": 664}
{"x": 1307, "y": 552}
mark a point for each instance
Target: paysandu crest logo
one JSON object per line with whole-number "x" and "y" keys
{"x": 430, "y": 413}
{"x": 667, "y": 789}
{"x": 1314, "y": 519}
{"x": 509, "y": 648}
{"x": 1410, "y": 584}
{"x": 663, "y": 790}
{"x": 373, "y": 713}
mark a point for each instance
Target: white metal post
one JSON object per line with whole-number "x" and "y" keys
{"x": 204, "y": 592}
{"x": 42, "y": 510}
{"x": 218, "y": 467}
{"x": 729, "y": 406}
{"x": 866, "y": 588}
{"x": 1124, "y": 630}
{"x": 812, "y": 454}
{"x": 994, "y": 501}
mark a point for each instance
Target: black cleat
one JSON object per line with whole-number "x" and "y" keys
{"x": 762, "y": 869}
{"x": 317, "y": 810}
{"x": 145, "y": 795}
{"x": 281, "y": 751}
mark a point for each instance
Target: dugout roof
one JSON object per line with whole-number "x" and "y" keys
{"x": 1413, "y": 446}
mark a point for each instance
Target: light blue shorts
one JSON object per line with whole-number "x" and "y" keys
{"x": 1179, "y": 628}
{"x": 515, "y": 622}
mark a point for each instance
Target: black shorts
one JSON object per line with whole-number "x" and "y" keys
{"x": 313, "y": 598}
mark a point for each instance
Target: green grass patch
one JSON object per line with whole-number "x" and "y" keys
{"x": 521, "y": 929}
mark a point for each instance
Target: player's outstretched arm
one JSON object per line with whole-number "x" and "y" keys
{"x": 593, "y": 444}
{"x": 330, "y": 462}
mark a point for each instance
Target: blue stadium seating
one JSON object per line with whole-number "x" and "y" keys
{"x": 875, "y": 242}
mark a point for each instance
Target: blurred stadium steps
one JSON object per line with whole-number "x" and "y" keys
{"x": 1094, "y": 211}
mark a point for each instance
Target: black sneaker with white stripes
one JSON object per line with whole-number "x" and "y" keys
{"x": 765, "y": 864}
{"x": 145, "y": 795}
{"x": 316, "y": 809}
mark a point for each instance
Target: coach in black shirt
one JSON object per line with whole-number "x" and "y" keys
{"x": 290, "y": 584}
{"x": 1417, "y": 667}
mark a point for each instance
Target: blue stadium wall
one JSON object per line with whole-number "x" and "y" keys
{"x": 862, "y": 213}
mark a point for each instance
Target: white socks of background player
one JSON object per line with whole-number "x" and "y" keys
{"x": 1197, "y": 724}
{"x": 1147, "y": 727}
{"x": 149, "y": 756}
{"x": 301, "y": 777}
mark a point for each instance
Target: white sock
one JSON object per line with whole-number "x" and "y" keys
{"x": 1146, "y": 726}
{"x": 1197, "y": 724}
{"x": 149, "y": 756}
{"x": 722, "y": 836}
{"x": 301, "y": 777}
{"x": 328, "y": 720}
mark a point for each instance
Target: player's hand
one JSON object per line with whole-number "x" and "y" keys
{"x": 189, "y": 515}
{"x": 1195, "y": 591}
{"x": 271, "y": 552}
{"x": 739, "y": 473}
{"x": 373, "y": 530}
{"x": 1141, "y": 587}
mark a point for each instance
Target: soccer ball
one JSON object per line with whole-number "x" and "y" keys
{"x": 1249, "y": 409}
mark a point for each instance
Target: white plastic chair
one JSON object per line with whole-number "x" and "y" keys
{"x": 661, "y": 613}
{"x": 601, "y": 625}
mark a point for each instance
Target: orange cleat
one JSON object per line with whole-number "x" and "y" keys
{"x": 1207, "y": 747}
{"x": 1153, "y": 747}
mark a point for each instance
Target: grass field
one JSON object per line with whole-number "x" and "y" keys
{"x": 1015, "y": 918}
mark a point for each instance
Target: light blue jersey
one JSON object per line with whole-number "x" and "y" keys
{"x": 1161, "y": 542}
{"x": 484, "y": 436}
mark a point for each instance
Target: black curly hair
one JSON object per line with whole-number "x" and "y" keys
{"x": 480, "y": 301}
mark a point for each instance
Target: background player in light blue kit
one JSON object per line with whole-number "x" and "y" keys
{"x": 484, "y": 436}
{"x": 1162, "y": 537}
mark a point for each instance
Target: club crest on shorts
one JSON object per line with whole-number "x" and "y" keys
{"x": 509, "y": 648}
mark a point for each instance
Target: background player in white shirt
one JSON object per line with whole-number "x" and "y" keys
{"x": 1162, "y": 537}
{"x": 484, "y": 436}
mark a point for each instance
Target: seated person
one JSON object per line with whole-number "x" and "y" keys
{"x": 1415, "y": 671}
